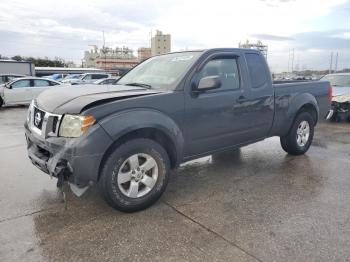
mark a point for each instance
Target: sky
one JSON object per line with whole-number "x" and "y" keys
{"x": 313, "y": 28}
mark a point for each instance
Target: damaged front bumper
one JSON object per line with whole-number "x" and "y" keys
{"x": 77, "y": 160}
{"x": 340, "y": 109}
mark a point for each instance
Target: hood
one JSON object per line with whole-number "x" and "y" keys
{"x": 341, "y": 99}
{"x": 340, "y": 90}
{"x": 341, "y": 94}
{"x": 73, "y": 99}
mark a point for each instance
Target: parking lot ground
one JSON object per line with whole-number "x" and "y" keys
{"x": 253, "y": 204}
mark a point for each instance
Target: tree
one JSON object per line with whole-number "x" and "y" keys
{"x": 17, "y": 58}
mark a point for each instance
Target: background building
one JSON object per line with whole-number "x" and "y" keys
{"x": 160, "y": 43}
{"x": 258, "y": 46}
{"x": 143, "y": 53}
{"x": 108, "y": 58}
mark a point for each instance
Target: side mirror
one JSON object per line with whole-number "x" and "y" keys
{"x": 209, "y": 83}
{"x": 7, "y": 85}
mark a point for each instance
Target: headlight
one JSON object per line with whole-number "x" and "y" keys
{"x": 75, "y": 125}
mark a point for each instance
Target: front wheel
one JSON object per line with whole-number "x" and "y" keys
{"x": 299, "y": 137}
{"x": 135, "y": 175}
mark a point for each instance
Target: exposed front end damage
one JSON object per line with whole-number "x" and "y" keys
{"x": 72, "y": 160}
{"x": 340, "y": 109}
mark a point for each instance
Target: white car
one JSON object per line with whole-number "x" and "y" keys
{"x": 87, "y": 78}
{"x": 23, "y": 90}
{"x": 107, "y": 81}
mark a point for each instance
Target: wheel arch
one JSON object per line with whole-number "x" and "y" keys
{"x": 142, "y": 124}
{"x": 304, "y": 102}
{"x": 310, "y": 108}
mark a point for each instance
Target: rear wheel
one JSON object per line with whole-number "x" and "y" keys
{"x": 1, "y": 102}
{"x": 135, "y": 175}
{"x": 299, "y": 137}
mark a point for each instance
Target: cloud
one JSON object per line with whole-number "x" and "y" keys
{"x": 65, "y": 28}
{"x": 324, "y": 40}
{"x": 272, "y": 37}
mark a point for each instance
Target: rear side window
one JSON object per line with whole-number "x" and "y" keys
{"x": 256, "y": 69}
{"x": 41, "y": 82}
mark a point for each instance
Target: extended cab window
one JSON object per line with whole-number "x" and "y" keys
{"x": 226, "y": 69}
{"x": 257, "y": 72}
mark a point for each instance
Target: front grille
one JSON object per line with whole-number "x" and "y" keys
{"x": 43, "y": 123}
{"x": 38, "y": 118}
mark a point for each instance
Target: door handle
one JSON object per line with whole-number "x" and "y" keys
{"x": 242, "y": 99}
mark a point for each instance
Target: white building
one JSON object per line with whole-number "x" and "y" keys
{"x": 109, "y": 58}
{"x": 160, "y": 43}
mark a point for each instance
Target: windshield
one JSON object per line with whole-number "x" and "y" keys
{"x": 160, "y": 72}
{"x": 337, "y": 80}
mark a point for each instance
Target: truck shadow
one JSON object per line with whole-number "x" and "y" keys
{"x": 228, "y": 184}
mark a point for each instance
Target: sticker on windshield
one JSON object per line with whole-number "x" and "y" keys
{"x": 182, "y": 58}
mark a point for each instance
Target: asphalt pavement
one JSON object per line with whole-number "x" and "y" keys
{"x": 253, "y": 204}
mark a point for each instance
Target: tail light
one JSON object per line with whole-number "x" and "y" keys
{"x": 330, "y": 93}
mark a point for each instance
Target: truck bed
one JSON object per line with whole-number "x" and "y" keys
{"x": 289, "y": 95}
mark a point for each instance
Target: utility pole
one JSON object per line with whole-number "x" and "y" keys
{"x": 293, "y": 61}
{"x": 104, "y": 48}
{"x": 336, "y": 63}
{"x": 150, "y": 38}
{"x": 331, "y": 63}
{"x": 288, "y": 59}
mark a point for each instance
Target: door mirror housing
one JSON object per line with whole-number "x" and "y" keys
{"x": 209, "y": 83}
{"x": 7, "y": 85}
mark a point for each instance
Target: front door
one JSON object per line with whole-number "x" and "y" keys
{"x": 213, "y": 118}
{"x": 19, "y": 92}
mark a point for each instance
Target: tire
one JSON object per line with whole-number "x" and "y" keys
{"x": 295, "y": 144}
{"x": 1, "y": 102}
{"x": 122, "y": 164}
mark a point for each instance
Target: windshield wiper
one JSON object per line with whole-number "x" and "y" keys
{"x": 139, "y": 84}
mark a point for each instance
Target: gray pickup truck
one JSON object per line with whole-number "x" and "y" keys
{"x": 167, "y": 110}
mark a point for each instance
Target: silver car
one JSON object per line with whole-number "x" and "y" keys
{"x": 107, "y": 81}
{"x": 340, "y": 97}
{"x": 87, "y": 78}
{"x": 23, "y": 90}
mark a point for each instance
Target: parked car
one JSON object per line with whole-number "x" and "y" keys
{"x": 167, "y": 110}
{"x": 107, "y": 81}
{"x": 341, "y": 96}
{"x": 56, "y": 77}
{"x": 24, "y": 90}
{"x": 86, "y": 78}
{"x": 70, "y": 77}
{"x": 4, "y": 78}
